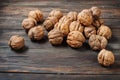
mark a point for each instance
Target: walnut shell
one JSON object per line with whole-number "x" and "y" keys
{"x": 16, "y": 42}
{"x": 36, "y": 33}
{"x": 89, "y": 30}
{"x": 55, "y": 37}
{"x": 106, "y": 58}
{"x": 76, "y": 26}
{"x": 104, "y": 31}
{"x": 95, "y": 11}
{"x": 28, "y": 23}
{"x": 75, "y": 39}
{"x": 50, "y": 22}
{"x": 56, "y": 13}
{"x": 36, "y": 14}
{"x": 97, "y": 22}
{"x": 72, "y": 15}
{"x": 85, "y": 17}
{"x": 97, "y": 42}
{"x": 63, "y": 25}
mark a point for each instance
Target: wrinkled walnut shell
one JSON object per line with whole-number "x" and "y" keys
{"x": 75, "y": 39}
{"x": 72, "y": 16}
{"x": 16, "y": 42}
{"x": 55, "y": 37}
{"x": 36, "y": 14}
{"x": 106, "y": 58}
{"x": 97, "y": 42}
{"x": 56, "y": 13}
{"x": 97, "y": 22}
{"x": 104, "y": 31}
{"x": 50, "y": 22}
{"x": 63, "y": 25}
{"x": 76, "y": 26}
{"x": 36, "y": 33}
{"x": 85, "y": 17}
{"x": 96, "y": 12}
{"x": 89, "y": 30}
{"x": 28, "y": 23}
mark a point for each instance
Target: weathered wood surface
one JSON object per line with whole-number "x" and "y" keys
{"x": 41, "y": 59}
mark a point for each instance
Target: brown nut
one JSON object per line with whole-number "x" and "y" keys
{"x": 36, "y": 33}
{"x": 56, "y": 13}
{"x": 55, "y": 37}
{"x": 85, "y": 17}
{"x": 89, "y": 30}
{"x": 28, "y": 23}
{"x": 95, "y": 11}
{"x": 50, "y": 22}
{"x": 104, "y": 31}
{"x": 72, "y": 16}
{"x": 97, "y": 42}
{"x": 36, "y": 14}
{"x": 76, "y": 26}
{"x": 97, "y": 22}
{"x": 16, "y": 42}
{"x": 63, "y": 25}
{"x": 75, "y": 39}
{"x": 106, "y": 58}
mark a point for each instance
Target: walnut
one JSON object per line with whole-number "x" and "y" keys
{"x": 56, "y": 13}
{"x": 95, "y": 11}
{"x": 104, "y": 31}
{"x": 97, "y": 22}
{"x": 85, "y": 17}
{"x": 89, "y": 30}
{"x": 36, "y": 33}
{"x": 76, "y": 26}
{"x": 36, "y": 14}
{"x": 63, "y": 25}
{"x": 72, "y": 16}
{"x": 28, "y": 23}
{"x": 97, "y": 42}
{"x": 75, "y": 39}
{"x": 106, "y": 57}
{"x": 55, "y": 37}
{"x": 16, "y": 42}
{"x": 50, "y": 22}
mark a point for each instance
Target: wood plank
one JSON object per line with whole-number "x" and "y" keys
{"x": 16, "y": 76}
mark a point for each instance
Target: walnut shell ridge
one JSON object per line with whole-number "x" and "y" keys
{"x": 106, "y": 57}
{"x": 75, "y": 39}
{"x": 16, "y": 42}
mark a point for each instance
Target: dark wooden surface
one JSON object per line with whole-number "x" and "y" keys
{"x": 41, "y": 60}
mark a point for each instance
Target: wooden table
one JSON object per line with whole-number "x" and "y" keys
{"x": 41, "y": 60}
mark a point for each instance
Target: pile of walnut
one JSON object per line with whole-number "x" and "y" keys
{"x": 73, "y": 27}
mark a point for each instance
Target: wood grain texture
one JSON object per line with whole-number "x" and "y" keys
{"x": 41, "y": 60}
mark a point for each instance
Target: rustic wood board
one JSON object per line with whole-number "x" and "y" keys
{"x": 41, "y": 60}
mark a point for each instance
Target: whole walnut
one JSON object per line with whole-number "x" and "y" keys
{"x": 75, "y": 39}
{"x": 16, "y": 42}
{"x": 72, "y": 15}
{"x": 63, "y": 25}
{"x": 56, "y": 13}
{"x": 95, "y": 11}
{"x": 28, "y": 23}
{"x": 106, "y": 57}
{"x": 76, "y": 26}
{"x": 97, "y": 22}
{"x": 36, "y": 33}
{"x": 104, "y": 31}
{"x": 89, "y": 30}
{"x": 97, "y": 42}
{"x": 85, "y": 17}
{"x": 50, "y": 22}
{"x": 36, "y": 14}
{"x": 55, "y": 37}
